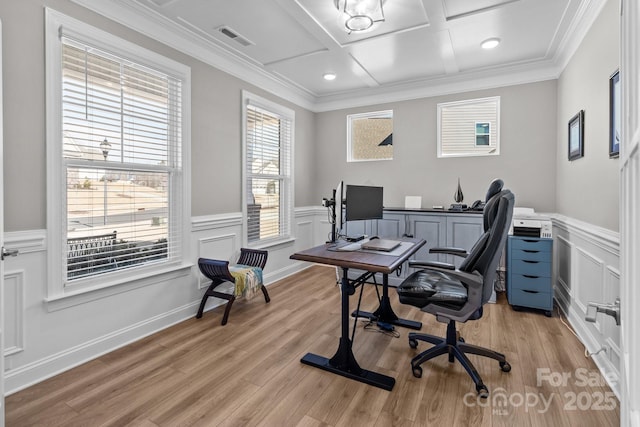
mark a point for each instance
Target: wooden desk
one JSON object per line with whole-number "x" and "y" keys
{"x": 344, "y": 362}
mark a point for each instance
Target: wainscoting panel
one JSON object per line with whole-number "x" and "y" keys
{"x": 562, "y": 269}
{"x": 586, "y": 269}
{"x": 13, "y": 312}
{"x": 589, "y": 281}
{"x": 41, "y": 344}
{"x": 219, "y": 247}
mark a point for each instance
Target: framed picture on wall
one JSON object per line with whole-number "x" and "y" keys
{"x": 614, "y": 115}
{"x": 576, "y": 136}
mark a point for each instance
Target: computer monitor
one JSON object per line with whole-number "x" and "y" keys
{"x": 363, "y": 202}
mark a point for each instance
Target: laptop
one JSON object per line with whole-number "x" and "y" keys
{"x": 383, "y": 245}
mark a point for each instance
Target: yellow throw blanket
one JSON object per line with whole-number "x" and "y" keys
{"x": 248, "y": 280}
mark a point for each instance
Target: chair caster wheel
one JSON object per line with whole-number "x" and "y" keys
{"x": 505, "y": 366}
{"x": 483, "y": 391}
{"x": 413, "y": 343}
{"x": 460, "y": 339}
{"x": 417, "y": 371}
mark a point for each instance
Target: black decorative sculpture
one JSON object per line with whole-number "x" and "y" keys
{"x": 458, "y": 197}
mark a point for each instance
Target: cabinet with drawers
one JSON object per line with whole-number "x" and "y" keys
{"x": 529, "y": 267}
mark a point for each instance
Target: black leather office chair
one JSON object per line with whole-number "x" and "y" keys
{"x": 457, "y": 295}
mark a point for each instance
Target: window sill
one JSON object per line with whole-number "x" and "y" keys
{"x": 82, "y": 296}
{"x": 271, "y": 243}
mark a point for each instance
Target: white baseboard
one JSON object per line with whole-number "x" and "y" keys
{"x": 608, "y": 371}
{"x": 39, "y": 370}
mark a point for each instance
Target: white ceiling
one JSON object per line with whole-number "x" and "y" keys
{"x": 423, "y": 48}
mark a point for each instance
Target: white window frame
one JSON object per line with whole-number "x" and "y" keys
{"x": 59, "y": 295}
{"x": 465, "y": 129}
{"x": 286, "y": 193}
{"x": 351, "y": 120}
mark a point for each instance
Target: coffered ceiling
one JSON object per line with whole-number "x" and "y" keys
{"x": 423, "y": 47}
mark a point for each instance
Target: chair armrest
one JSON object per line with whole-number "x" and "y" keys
{"x": 450, "y": 251}
{"x": 432, "y": 264}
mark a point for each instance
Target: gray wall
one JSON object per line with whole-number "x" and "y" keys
{"x": 533, "y": 134}
{"x": 216, "y": 115}
{"x": 587, "y": 188}
{"x": 526, "y": 162}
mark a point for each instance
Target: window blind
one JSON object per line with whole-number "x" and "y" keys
{"x": 268, "y": 169}
{"x": 457, "y": 127}
{"x": 121, "y": 142}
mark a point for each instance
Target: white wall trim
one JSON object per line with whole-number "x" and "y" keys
{"x": 211, "y": 222}
{"x": 608, "y": 371}
{"x": 26, "y": 241}
{"x": 604, "y": 238}
{"x": 14, "y": 325}
{"x": 39, "y": 370}
{"x": 146, "y": 21}
{"x": 83, "y": 296}
{"x": 589, "y": 248}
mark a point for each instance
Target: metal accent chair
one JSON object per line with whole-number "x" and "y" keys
{"x": 218, "y": 272}
{"x": 457, "y": 295}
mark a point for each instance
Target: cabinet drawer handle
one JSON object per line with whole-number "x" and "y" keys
{"x": 530, "y": 262}
{"x": 530, "y": 292}
{"x": 529, "y": 241}
{"x": 530, "y": 277}
{"x": 529, "y": 251}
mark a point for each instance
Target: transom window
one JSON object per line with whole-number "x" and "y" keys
{"x": 469, "y": 128}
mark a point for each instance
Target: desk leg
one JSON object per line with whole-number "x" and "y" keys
{"x": 385, "y": 313}
{"x": 344, "y": 362}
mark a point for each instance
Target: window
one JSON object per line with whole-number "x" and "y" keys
{"x": 267, "y": 152}
{"x": 117, "y": 142}
{"x": 469, "y": 128}
{"x": 370, "y": 136}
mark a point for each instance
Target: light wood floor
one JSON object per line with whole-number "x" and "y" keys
{"x": 249, "y": 372}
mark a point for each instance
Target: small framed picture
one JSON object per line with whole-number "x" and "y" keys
{"x": 614, "y": 115}
{"x": 576, "y": 136}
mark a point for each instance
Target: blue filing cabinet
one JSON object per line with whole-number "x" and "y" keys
{"x": 529, "y": 273}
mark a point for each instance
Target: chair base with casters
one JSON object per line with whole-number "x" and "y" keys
{"x": 218, "y": 272}
{"x": 455, "y": 346}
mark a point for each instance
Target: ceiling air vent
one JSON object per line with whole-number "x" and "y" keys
{"x": 233, "y": 35}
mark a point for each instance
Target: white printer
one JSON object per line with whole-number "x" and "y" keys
{"x": 527, "y": 223}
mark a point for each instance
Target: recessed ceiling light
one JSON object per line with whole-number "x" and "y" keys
{"x": 329, "y": 76}
{"x": 490, "y": 43}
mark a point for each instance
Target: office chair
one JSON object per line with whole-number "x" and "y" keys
{"x": 218, "y": 272}
{"x": 457, "y": 295}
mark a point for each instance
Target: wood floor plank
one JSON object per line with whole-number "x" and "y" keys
{"x": 248, "y": 372}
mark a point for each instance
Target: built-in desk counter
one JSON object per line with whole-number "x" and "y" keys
{"x": 437, "y": 227}
{"x": 432, "y": 210}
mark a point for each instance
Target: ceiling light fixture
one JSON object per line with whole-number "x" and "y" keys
{"x": 360, "y": 14}
{"x": 490, "y": 43}
{"x": 329, "y": 76}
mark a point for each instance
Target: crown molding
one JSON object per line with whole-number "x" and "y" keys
{"x": 587, "y": 14}
{"x": 151, "y": 24}
{"x": 456, "y": 83}
{"x": 147, "y": 22}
